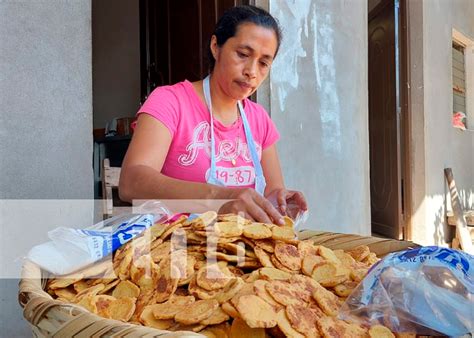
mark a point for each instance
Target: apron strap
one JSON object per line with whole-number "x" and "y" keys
{"x": 207, "y": 97}
{"x": 259, "y": 177}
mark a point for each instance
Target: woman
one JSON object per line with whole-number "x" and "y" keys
{"x": 206, "y": 140}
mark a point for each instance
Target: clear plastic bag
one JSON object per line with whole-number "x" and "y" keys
{"x": 427, "y": 290}
{"x": 300, "y": 219}
{"x": 72, "y": 249}
{"x": 293, "y": 211}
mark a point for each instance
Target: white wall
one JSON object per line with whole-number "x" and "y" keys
{"x": 45, "y": 129}
{"x": 444, "y": 146}
{"x": 116, "y": 59}
{"x": 46, "y": 100}
{"x": 319, "y": 91}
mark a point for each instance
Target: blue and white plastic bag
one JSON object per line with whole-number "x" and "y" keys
{"x": 427, "y": 290}
{"x": 72, "y": 249}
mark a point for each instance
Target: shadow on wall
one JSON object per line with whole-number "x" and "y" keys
{"x": 443, "y": 233}
{"x": 466, "y": 196}
{"x": 467, "y": 199}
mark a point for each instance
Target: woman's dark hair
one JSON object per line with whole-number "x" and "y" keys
{"x": 232, "y": 18}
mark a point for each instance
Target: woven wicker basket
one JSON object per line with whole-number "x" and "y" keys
{"x": 52, "y": 318}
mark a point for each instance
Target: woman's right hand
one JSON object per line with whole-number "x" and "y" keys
{"x": 253, "y": 205}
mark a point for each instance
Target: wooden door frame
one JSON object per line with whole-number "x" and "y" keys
{"x": 415, "y": 120}
{"x": 406, "y": 116}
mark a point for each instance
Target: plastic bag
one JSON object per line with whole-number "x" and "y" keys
{"x": 300, "y": 219}
{"x": 427, "y": 290}
{"x": 72, "y": 249}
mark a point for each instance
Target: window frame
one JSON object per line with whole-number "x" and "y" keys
{"x": 468, "y": 44}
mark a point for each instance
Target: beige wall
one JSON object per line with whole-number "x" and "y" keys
{"x": 439, "y": 145}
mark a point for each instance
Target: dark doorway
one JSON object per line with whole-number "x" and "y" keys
{"x": 174, "y": 35}
{"x": 387, "y": 108}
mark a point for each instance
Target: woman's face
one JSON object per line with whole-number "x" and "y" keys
{"x": 244, "y": 60}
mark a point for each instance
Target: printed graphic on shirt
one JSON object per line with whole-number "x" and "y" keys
{"x": 227, "y": 150}
{"x": 237, "y": 177}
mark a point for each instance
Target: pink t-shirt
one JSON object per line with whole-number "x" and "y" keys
{"x": 181, "y": 110}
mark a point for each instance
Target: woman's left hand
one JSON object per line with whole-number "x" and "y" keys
{"x": 288, "y": 202}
